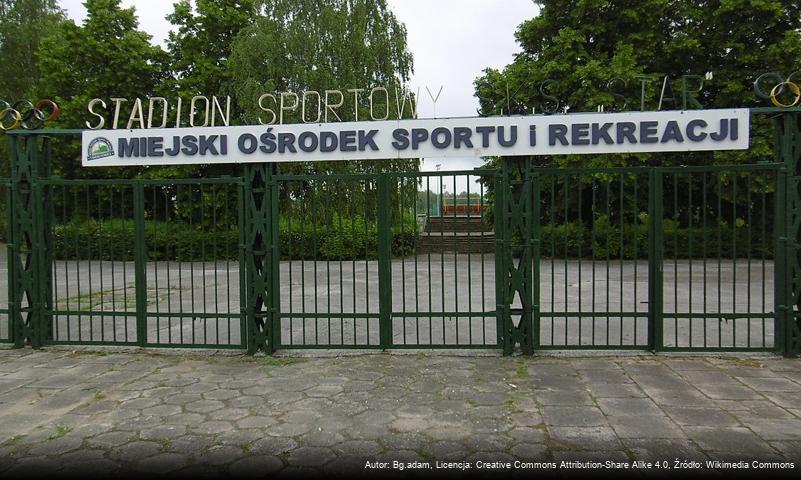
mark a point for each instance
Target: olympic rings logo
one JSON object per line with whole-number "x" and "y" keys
{"x": 27, "y": 115}
{"x": 785, "y": 92}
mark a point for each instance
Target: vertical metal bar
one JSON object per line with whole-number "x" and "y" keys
{"x": 290, "y": 261}
{"x": 140, "y": 278}
{"x": 690, "y": 257}
{"x": 535, "y": 262}
{"x": 399, "y": 182}
{"x": 214, "y": 257}
{"x": 156, "y": 275}
{"x": 501, "y": 247}
{"x": 635, "y": 211}
{"x": 566, "y": 254}
{"x": 274, "y": 310}
{"x": 718, "y": 218}
{"x": 442, "y": 252}
{"x": 455, "y": 264}
{"x": 469, "y": 267}
{"x": 429, "y": 277}
{"x": 553, "y": 260}
{"x": 734, "y": 259}
{"x": 11, "y": 251}
{"x": 703, "y": 253}
{"x": 180, "y": 275}
{"x": 242, "y": 193}
{"x": 748, "y": 208}
{"x": 483, "y": 279}
{"x": 89, "y": 261}
{"x": 676, "y": 218}
{"x": 302, "y": 253}
{"x": 655, "y": 254}
{"x": 384, "y": 263}
{"x": 46, "y": 243}
{"x": 781, "y": 299}
{"x": 416, "y": 237}
{"x": 341, "y": 234}
{"x": 593, "y": 209}
{"x": 580, "y": 222}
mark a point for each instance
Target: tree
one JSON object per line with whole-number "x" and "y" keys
{"x": 586, "y": 53}
{"x": 579, "y": 47}
{"x": 105, "y": 57}
{"x": 298, "y": 45}
{"x": 22, "y": 25}
{"x": 201, "y": 45}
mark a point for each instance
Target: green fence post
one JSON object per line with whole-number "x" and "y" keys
{"x": 655, "y": 256}
{"x": 501, "y": 246}
{"x": 384, "y": 263}
{"x": 140, "y": 262}
{"x": 30, "y": 294}
{"x": 10, "y": 274}
{"x": 275, "y": 261}
{"x": 788, "y": 241}
{"x": 535, "y": 261}
{"x": 260, "y": 264}
{"x": 244, "y": 294}
{"x": 514, "y": 211}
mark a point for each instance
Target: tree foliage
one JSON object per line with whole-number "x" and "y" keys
{"x": 105, "y": 57}
{"x": 297, "y": 45}
{"x": 22, "y": 25}
{"x": 200, "y": 43}
{"x": 579, "y": 46}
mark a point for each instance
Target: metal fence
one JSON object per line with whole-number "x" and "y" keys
{"x": 643, "y": 258}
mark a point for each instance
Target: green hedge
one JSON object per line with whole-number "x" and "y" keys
{"x": 357, "y": 240}
{"x": 175, "y": 241}
{"x": 573, "y": 240}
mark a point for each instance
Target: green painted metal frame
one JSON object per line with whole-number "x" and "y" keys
{"x": 788, "y": 229}
{"x": 515, "y": 250}
{"x": 30, "y": 291}
{"x": 260, "y": 236}
{"x": 518, "y": 231}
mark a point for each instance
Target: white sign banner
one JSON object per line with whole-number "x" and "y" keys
{"x": 590, "y": 133}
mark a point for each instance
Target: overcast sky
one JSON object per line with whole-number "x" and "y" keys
{"x": 452, "y": 41}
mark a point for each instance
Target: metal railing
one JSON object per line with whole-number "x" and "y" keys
{"x": 645, "y": 258}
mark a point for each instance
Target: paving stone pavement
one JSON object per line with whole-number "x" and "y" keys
{"x": 68, "y": 413}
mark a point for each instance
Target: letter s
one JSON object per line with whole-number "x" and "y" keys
{"x": 269, "y": 110}
{"x": 401, "y": 136}
{"x": 91, "y": 106}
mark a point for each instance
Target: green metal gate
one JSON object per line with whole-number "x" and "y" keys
{"x": 523, "y": 257}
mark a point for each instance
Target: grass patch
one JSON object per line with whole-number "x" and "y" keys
{"x": 99, "y": 395}
{"x": 748, "y": 362}
{"x": 13, "y": 440}
{"x": 59, "y": 432}
{"x": 94, "y": 353}
{"x": 522, "y": 369}
{"x": 511, "y": 404}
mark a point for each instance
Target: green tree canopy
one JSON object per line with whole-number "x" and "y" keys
{"x": 105, "y": 57}
{"x": 22, "y": 25}
{"x": 577, "y": 47}
{"x": 297, "y": 45}
{"x": 200, "y": 44}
